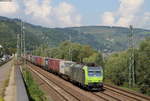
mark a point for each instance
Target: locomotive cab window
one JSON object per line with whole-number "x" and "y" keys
{"x": 93, "y": 71}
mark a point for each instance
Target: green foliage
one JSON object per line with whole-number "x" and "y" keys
{"x": 7, "y": 36}
{"x": 116, "y": 67}
{"x": 33, "y": 88}
{"x": 71, "y": 51}
{"x": 143, "y": 67}
{"x": 1, "y": 99}
{"x": 94, "y": 58}
{"x": 99, "y": 37}
{"x": 112, "y": 38}
{"x": 1, "y": 52}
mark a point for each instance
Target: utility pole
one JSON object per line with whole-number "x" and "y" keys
{"x": 18, "y": 46}
{"x": 70, "y": 48}
{"x": 131, "y": 58}
{"x": 24, "y": 45}
{"x": 24, "y": 49}
{"x": 21, "y": 38}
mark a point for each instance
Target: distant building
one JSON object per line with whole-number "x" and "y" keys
{"x": 1, "y": 46}
{"x": 110, "y": 39}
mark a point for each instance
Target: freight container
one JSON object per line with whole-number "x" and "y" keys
{"x": 43, "y": 62}
{"x": 34, "y": 59}
{"x": 53, "y": 65}
{"x": 39, "y": 60}
{"x": 65, "y": 66}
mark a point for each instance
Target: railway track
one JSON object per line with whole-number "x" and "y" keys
{"x": 48, "y": 89}
{"x": 61, "y": 92}
{"x": 106, "y": 96}
{"x": 69, "y": 92}
{"x": 129, "y": 94}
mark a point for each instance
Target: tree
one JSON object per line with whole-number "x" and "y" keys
{"x": 71, "y": 51}
{"x": 85, "y": 52}
{"x": 116, "y": 68}
{"x": 143, "y": 67}
{"x": 94, "y": 58}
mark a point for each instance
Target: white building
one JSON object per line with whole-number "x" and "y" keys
{"x": 1, "y": 46}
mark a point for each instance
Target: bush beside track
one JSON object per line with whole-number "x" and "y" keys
{"x": 34, "y": 92}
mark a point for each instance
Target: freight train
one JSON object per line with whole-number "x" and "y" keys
{"x": 88, "y": 77}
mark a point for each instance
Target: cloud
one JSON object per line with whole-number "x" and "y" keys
{"x": 33, "y": 8}
{"x": 125, "y": 15}
{"x": 108, "y": 18}
{"x": 129, "y": 6}
{"x": 42, "y": 12}
{"x": 61, "y": 15}
{"x": 38, "y": 13}
{"x": 8, "y": 8}
{"x": 66, "y": 14}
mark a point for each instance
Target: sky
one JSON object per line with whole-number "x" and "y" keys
{"x": 69, "y": 13}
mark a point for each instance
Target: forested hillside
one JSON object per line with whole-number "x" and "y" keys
{"x": 113, "y": 38}
{"x": 99, "y": 37}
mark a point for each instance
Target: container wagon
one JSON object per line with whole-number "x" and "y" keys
{"x": 53, "y": 65}
{"x": 89, "y": 77}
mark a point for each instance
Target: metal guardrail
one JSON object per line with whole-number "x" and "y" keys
{"x": 20, "y": 87}
{"x": 2, "y": 63}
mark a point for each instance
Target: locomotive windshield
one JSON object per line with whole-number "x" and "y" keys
{"x": 94, "y": 71}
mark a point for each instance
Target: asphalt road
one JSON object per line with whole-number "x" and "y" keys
{"x": 4, "y": 72}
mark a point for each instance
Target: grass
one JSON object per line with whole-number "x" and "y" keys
{"x": 1, "y": 99}
{"x": 5, "y": 85}
{"x": 126, "y": 86}
{"x": 35, "y": 93}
